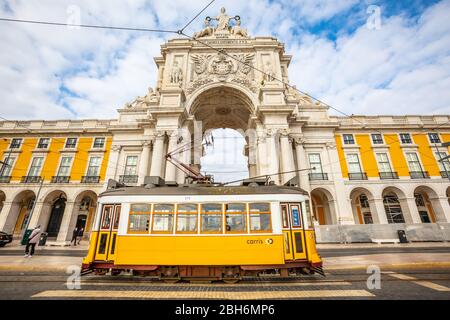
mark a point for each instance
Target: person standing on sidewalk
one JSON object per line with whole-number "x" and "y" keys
{"x": 74, "y": 236}
{"x": 32, "y": 241}
{"x": 80, "y": 234}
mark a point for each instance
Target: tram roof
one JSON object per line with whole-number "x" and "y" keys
{"x": 203, "y": 190}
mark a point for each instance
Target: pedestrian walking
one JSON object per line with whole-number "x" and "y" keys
{"x": 80, "y": 234}
{"x": 74, "y": 236}
{"x": 33, "y": 239}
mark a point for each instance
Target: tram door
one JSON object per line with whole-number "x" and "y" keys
{"x": 107, "y": 237}
{"x": 293, "y": 232}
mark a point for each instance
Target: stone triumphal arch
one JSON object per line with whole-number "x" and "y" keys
{"x": 223, "y": 77}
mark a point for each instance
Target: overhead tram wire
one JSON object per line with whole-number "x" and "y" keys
{"x": 87, "y": 26}
{"x": 180, "y": 32}
{"x": 222, "y": 51}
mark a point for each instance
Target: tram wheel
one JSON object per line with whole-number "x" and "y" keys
{"x": 172, "y": 281}
{"x": 100, "y": 272}
{"x": 230, "y": 280}
{"x": 115, "y": 272}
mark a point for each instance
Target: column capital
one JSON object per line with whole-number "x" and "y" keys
{"x": 160, "y": 134}
{"x": 147, "y": 144}
{"x": 116, "y": 148}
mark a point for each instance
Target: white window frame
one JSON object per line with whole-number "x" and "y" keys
{"x": 429, "y": 138}
{"x": 14, "y": 157}
{"x": 320, "y": 158}
{"x": 440, "y": 164}
{"x": 89, "y": 161}
{"x": 76, "y": 143}
{"x": 348, "y": 144}
{"x": 377, "y": 144}
{"x": 70, "y": 167}
{"x": 125, "y": 163}
{"x": 405, "y": 143}
{"x": 21, "y": 144}
{"x": 359, "y": 161}
{"x": 48, "y": 146}
{"x": 388, "y": 158}
{"x": 93, "y": 143}
{"x": 40, "y": 169}
{"x": 418, "y": 159}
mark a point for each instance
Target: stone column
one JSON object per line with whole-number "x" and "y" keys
{"x": 143, "y": 164}
{"x": 379, "y": 215}
{"x": 65, "y": 223}
{"x": 34, "y": 221}
{"x": 171, "y": 170}
{"x": 411, "y": 208}
{"x": 441, "y": 209}
{"x": 7, "y": 205}
{"x": 111, "y": 170}
{"x": 157, "y": 156}
{"x": 273, "y": 161}
{"x": 287, "y": 157}
{"x": 262, "y": 155}
{"x": 302, "y": 164}
{"x": 344, "y": 209}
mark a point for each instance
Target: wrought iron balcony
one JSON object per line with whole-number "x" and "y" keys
{"x": 90, "y": 179}
{"x": 31, "y": 179}
{"x": 388, "y": 175}
{"x": 445, "y": 174}
{"x": 5, "y": 179}
{"x": 419, "y": 175}
{"x": 60, "y": 179}
{"x": 357, "y": 176}
{"x": 128, "y": 179}
{"x": 318, "y": 176}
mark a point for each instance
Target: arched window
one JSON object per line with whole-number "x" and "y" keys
{"x": 393, "y": 208}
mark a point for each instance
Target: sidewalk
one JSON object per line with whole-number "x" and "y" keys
{"x": 15, "y": 245}
{"x": 386, "y": 245}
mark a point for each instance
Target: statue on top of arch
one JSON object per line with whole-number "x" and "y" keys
{"x": 223, "y": 28}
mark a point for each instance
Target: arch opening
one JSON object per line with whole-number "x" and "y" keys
{"x": 322, "y": 207}
{"x": 19, "y": 213}
{"x": 363, "y": 209}
{"x": 223, "y": 115}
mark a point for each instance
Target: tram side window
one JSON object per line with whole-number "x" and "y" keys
{"x": 260, "y": 217}
{"x": 236, "y": 218}
{"x": 163, "y": 216}
{"x": 187, "y": 216}
{"x": 211, "y": 218}
{"x": 139, "y": 220}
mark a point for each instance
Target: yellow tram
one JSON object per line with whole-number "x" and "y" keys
{"x": 203, "y": 232}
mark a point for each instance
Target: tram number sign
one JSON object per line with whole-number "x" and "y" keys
{"x": 295, "y": 217}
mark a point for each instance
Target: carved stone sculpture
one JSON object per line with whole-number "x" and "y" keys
{"x": 269, "y": 74}
{"x": 207, "y": 30}
{"x": 237, "y": 30}
{"x": 176, "y": 74}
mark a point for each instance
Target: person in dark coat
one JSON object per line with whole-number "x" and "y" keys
{"x": 74, "y": 236}
{"x": 33, "y": 239}
{"x": 80, "y": 234}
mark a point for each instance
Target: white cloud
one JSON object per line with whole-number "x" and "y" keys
{"x": 401, "y": 68}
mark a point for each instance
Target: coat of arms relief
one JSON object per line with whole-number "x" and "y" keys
{"x": 235, "y": 67}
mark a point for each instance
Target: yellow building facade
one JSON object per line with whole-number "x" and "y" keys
{"x": 51, "y": 174}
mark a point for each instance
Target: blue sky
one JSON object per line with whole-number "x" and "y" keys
{"x": 402, "y": 66}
